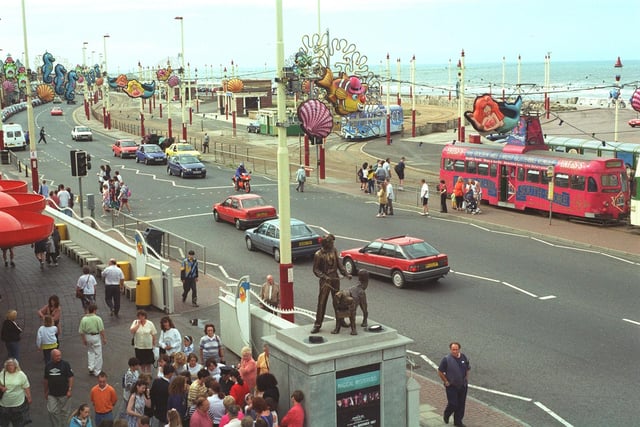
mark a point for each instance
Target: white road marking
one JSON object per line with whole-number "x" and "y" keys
{"x": 553, "y": 414}
{"x": 547, "y": 297}
{"x": 476, "y": 276}
{"x": 179, "y": 217}
{"x": 520, "y": 290}
{"x": 632, "y": 321}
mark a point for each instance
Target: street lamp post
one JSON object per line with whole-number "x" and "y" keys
{"x": 106, "y": 109}
{"x": 189, "y": 93}
{"x": 197, "y": 95}
{"x": 461, "y": 129}
{"x": 84, "y": 80}
{"x": 616, "y": 100}
{"x": 182, "y": 100}
{"x": 30, "y": 117}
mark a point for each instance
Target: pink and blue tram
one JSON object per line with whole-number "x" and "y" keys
{"x": 588, "y": 187}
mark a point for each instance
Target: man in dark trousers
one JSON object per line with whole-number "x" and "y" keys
{"x": 189, "y": 277}
{"x": 454, "y": 373}
{"x": 58, "y": 385}
{"x": 160, "y": 393}
{"x": 43, "y": 136}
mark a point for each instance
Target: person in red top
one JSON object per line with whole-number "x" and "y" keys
{"x": 239, "y": 389}
{"x": 200, "y": 417}
{"x": 248, "y": 368}
{"x": 295, "y": 416}
{"x": 104, "y": 398}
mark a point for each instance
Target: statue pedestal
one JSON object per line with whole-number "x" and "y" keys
{"x": 346, "y": 379}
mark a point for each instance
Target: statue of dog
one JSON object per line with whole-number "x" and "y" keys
{"x": 345, "y": 309}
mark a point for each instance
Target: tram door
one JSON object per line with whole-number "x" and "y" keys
{"x": 506, "y": 172}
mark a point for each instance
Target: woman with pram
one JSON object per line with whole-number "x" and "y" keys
{"x": 471, "y": 200}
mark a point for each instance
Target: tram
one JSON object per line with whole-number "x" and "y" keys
{"x": 371, "y": 122}
{"x": 519, "y": 177}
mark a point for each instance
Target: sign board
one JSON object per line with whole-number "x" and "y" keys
{"x": 358, "y": 397}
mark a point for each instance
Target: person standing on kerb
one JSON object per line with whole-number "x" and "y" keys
{"x": 454, "y": 373}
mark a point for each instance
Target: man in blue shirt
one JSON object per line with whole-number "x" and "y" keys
{"x": 189, "y": 277}
{"x": 454, "y": 373}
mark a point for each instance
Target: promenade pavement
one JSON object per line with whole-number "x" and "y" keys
{"x": 26, "y": 287}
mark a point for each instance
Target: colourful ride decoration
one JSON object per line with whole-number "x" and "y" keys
{"x": 316, "y": 119}
{"x": 491, "y": 116}
{"x": 235, "y": 85}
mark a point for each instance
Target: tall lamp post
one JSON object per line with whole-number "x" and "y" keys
{"x": 33, "y": 156}
{"x": 182, "y": 100}
{"x": 618, "y": 64}
{"x": 461, "y": 136}
{"x": 84, "y": 80}
{"x": 106, "y": 109}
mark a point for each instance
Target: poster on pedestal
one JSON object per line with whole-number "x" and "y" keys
{"x": 358, "y": 397}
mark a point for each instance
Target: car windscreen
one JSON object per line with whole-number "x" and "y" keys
{"x": 184, "y": 147}
{"x": 127, "y": 143}
{"x": 252, "y": 203}
{"x": 419, "y": 250}
{"x": 187, "y": 159}
{"x": 152, "y": 149}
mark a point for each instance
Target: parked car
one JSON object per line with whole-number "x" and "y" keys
{"x": 634, "y": 122}
{"x": 185, "y": 165}
{"x": 124, "y": 148}
{"x": 150, "y": 154}
{"x": 403, "y": 259}
{"x": 244, "y": 210}
{"x": 253, "y": 127}
{"x": 266, "y": 238}
{"x": 56, "y": 111}
{"x": 80, "y": 133}
{"x": 182, "y": 148}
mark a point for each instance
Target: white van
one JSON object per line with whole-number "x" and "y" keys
{"x": 14, "y": 137}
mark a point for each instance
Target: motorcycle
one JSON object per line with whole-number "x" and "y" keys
{"x": 244, "y": 183}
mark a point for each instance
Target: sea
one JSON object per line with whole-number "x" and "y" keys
{"x": 576, "y": 79}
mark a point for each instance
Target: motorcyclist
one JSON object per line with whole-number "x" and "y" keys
{"x": 239, "y": 172}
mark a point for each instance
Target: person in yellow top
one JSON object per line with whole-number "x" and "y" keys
{"x": 263, "y": 360}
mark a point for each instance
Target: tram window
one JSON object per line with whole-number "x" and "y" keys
{"x": 577, "y": 182}
{"x": 493, "y": 169}
{"x": 592, "y": 187}
{"x": 471, "y": 166}
{"x": 562, "y": 180}
{"x": 520, "y": 174}
{"x": 458, "y": 166}
{"x": 483, "y": 169}
{"x": 448, "y": 164}
{"x": 533, "y": 176}
{"x": 610, "y": 180}
{"x": 544, "y": 178}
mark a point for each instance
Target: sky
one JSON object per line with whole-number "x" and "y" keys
{"x": 217, "y": 32}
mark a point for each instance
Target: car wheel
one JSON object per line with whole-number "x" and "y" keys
{"x": 146, "y": 161}
{"x": 181, "y": 174}
{"x": 216, "y": 216}
{"x": 249, "y": 244}
{"x": 169, "y": 171}
{"x": 397, "y": 278}
{"x": 238, "y": 224}
{"x": 350, "y": 266}
{"x": 276, "y": 254}
{"x": 91, "y": 139}
{"x": 164, "y": 163}
{"x": 137, "y": 159}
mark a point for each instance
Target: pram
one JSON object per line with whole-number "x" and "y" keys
{"x": 470, "y": 203}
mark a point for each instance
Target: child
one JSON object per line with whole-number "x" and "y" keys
{"x": 187, "y": 344}
{"x": 130, "y": 377}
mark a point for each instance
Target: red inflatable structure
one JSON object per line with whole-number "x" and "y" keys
{"x": 21, "y": 222}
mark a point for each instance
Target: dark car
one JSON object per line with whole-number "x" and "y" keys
{"x": 266, "y": 238}
{"x": 186, "y": 165}
{"x": 402, "y": 259}
{"x": 253, "y": 127}
{"x": 150, "y": 154}
{"x": 244, "y": 210}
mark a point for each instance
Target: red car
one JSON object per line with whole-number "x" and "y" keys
{"x": 124, "y": 148}
{"x": 402, "y": 258}
{"x": 56, "y": 111}
{"x": 634, "y": 122}
{"x": 244, "y": 211}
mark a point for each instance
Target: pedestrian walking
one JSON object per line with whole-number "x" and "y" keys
{"x": 11, "y": 257}
{"x": 43, "y": 136}
{"x": 144, "y": 340}
{"x": 123, "y": 198}
{"x": 87, "y": 284}
{"x": 58, "y": 388}
{"x": 104, "y": 399}
{"x": 47, "y": 338}
{"x": 91, "y": 330}
{"x": 301, "y": 177}
{"x": 382, "y": 200}
{"x": 81, "y": 417}
{"x": 44, "y": 188}
{"x": 16, "y": 398}
{"x": 11, "y": 334}
{"x": 399, "y": 169}
{"x": 454, "y": 373}
{"x": 442, "y": 189}
{"x": 390, "y": 196}
{"x": 205, "y": 143}
{"x": 189, "y": 277}
{"x": 114, "y": 282}
{"x": 52, "y": 309}
{"x": 424, "y": 197}
{"x": 170, "y": 340}
{"x": 270, "y": 294}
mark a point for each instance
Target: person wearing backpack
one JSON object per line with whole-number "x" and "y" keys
{"x": 123, "y": 198}
{"x": 301, "y": 177}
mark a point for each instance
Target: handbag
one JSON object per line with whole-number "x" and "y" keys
{"x": 79, "y": 293}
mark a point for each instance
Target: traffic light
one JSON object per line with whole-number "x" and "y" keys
{"x": 83, "y": 162}
{"x": 74, "y": 164}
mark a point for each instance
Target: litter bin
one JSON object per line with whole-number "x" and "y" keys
{"x": 143, "y": 292}
{"x": 153, "y": 237}
{"x": 4, "y": 157}
{"x": 125, "y": 266}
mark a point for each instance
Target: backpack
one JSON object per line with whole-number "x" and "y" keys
{"x": 71, "y": 199}
{"x": 397, "y": 168}
{"x": 128, "y": 192}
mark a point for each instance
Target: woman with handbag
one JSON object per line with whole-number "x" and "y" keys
{"x": 86, "y": 288}
{"x": 11, "y": 334}
{"x": 16, "y": 395}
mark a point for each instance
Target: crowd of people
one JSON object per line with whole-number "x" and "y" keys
{"x": 173, "y": 380}
{"x": 115, "y": 193}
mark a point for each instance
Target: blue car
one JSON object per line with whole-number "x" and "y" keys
{"x": 266, "y": 238}
{"x": 184, "y": 165}
{"x": 150, "y": 154}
